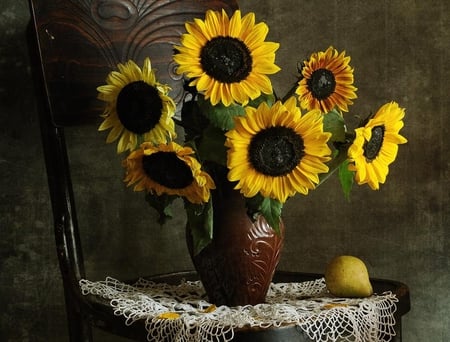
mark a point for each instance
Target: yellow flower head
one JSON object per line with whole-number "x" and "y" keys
{"x": 227, "y": 58}
{"x": 168, "y": 169}
{"x": 327, "y": 82}
{"x": 376, "y": 145}
{"x": 277, "y": 151}
{"x": 136, "y": 105}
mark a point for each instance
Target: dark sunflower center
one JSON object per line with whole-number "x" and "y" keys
{"x": 373, "y": 146}
{"x": 168, "y": 170}
{"x": 321, "y": 84}
{"x": 139, "y": 107}
{"x": 276, "y": 151}
{"x": 226, "y": 59}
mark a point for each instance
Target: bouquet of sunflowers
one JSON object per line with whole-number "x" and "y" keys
{"x": 237, "y": 130}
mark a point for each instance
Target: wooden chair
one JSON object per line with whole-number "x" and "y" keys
{"x": 73, "y": 45}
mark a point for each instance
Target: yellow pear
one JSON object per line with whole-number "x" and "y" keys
{"x": 347, "y": 276}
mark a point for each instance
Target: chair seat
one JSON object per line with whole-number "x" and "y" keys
{"x": 102, "y": 314}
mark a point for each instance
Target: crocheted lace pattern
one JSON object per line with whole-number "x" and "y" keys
{"x": 181, "y": 313}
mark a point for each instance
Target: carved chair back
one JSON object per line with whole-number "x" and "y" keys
{"x": 74, "y": 44}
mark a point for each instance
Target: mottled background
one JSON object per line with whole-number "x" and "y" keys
{"x": 400, "y": 51}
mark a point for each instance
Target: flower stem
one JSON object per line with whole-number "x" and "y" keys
{"x": 290, "y": 92}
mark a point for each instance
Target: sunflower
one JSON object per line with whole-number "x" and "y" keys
{"x": 277, "y": 151}
{"x": 227, "y": 59}
{"x": 168, "y": 169}
{"x": 327, "y": 82}
{"x": 376, "y": 145}
{"x": 136, "y": 106}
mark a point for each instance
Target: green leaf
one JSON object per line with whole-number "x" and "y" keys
{"x": 140, "y": 140}
{"x": 254, "y": 205}
{"x": 346, "y": 179}
{"x": 271, "y": 210}
{"x": 192, "y": 120}
{"x": 162, "y": 204}
{"x": 212, "y": 146}
{"x": 219, "y": 115}
{"x": 222, "y": 116}
{"x": 339, "y": 156}
{"x": 267, "y": 98}
{"x": 200, "y": 224}
{"x": 268, "y": 207}
{"x": 334, "y": 123}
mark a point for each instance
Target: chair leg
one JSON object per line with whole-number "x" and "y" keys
{"x": 79, "y": 329}
{"x": 398, "y": 331}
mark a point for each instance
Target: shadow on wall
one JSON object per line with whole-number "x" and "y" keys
{"x": 30, "y": 285}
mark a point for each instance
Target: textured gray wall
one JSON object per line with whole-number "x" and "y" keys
{"x": 400, "y": 51}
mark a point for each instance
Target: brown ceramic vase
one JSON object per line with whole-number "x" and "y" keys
{"x": 237, "y": 267}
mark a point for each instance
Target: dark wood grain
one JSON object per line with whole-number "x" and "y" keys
{"x": 81, "y": 41}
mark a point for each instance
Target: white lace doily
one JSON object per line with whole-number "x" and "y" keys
{"x": 182, "y": 313}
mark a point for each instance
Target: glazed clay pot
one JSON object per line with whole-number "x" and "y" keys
{"x": 237, "y": 267}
